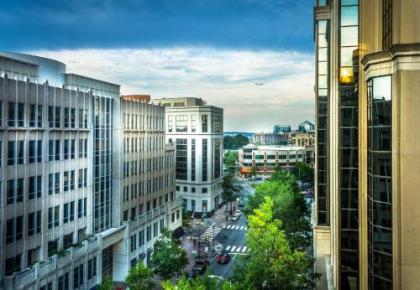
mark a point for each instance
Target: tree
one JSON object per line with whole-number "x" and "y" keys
{"x": 304, "y": 172}
{"x": 272, "y": 263}
{"x": 230, "y": 160}
{"x": 230, "y": 190}
{"x": 106, "y": 284}
{"x": 199, "y": 283}
{"x": 253, "y": 171}
{"x": 168, "y": 257}
{"x": 140, "y": 277}
{"x": 234, "y": 142}
{"x": 289, "y": 207}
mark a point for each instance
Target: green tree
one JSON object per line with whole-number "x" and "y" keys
{"x": 168, "y": 257}
{"x": 230, "y": 160}
{"x": 253, "y": 171}
{"x": 140, "y": 278}
{"x": 234, "y": 142}
{"x": 289, "y": 207}
{"x": 304, "y": 172}
{"x": 272, "y": 263}
{"x": 230, "y": 190}
{"x": 199, "y": 283}
{"x": 106, "y": 284}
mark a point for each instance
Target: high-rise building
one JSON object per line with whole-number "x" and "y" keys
{"x": 367, "y": 116}
{"x": 74, "y": 206}
{"x": 196, "y": 130}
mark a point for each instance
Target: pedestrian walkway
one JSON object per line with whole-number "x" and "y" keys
{"x": 208, "y": 234}
{"x": 232, "y": 249}
{"x": 235, "y": 227}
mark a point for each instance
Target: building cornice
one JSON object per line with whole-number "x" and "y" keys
{"x": 399, "y": 57}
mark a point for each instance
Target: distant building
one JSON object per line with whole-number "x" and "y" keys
{"x": 302, "y": 138}
{"x": 306, "y": 126}
{"x": 266, "y": 159}
{"x": 196, "y": 130}
{"x": 281, "y": 129}
{"x": 270, "y": 139}
{"x": 249, "y": 135}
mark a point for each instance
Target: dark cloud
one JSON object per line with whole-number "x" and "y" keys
{"x": 239, "y": 24}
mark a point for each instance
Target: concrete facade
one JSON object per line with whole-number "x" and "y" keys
{"x": 196, "y": 131}
{"x": 75, "y": 160}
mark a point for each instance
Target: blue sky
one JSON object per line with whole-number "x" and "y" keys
{"x": 215, "y": 49}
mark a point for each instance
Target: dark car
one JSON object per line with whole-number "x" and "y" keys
{"x": 223, "y": 258}
{"x": 200, "y": 266}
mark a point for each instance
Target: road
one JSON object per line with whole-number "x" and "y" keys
{"x": 232, "y": 236}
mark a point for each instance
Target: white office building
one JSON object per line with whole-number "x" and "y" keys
{"x": 86, "y": 180}
{"x": 196, "y": 130}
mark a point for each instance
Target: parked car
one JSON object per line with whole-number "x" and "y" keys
{"x": 200, "y": 266}
{"x": 238, "y": 212}
{"x": 235, "y": 217}
{"x": 223, "y": 258}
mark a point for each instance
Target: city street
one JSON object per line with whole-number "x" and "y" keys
{"x": 233, "y": 238}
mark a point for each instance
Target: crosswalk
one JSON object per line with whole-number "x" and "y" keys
{"x": 208, "y": 234}
{"x": 232, "y": 249}
{"x": 234, "y": 227}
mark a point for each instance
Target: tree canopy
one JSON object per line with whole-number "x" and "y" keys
{"x": 272, "y": 263}
{"x": 168, "y": 257}
{"x": 235, "y": 142}
{"x": 140, "y": 277}
{"x": 199, "y": 283}
{"x": 289, "y": 206}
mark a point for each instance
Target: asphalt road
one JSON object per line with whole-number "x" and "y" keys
{"x": 233, "y": 239}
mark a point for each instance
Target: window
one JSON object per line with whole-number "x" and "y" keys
{"x": 14, "y": 190}
{"x": 63, "y": 282}
{"x": 15, "y": 152}
{"x": 54, "y": 150}
{"x": 181, "y": 123}
{"x": 386, "y": 24}
{"x": 35, "y": 151}
{"x": 34, "y": 222}
{"x": 181, "y": 159}
{"x": 78, "y": 275}
{"x": 204, "y": 159}
{"x": 148, "y": 233}
{"x": 35, "y": 115}
{"x": 72, "y": 118}
{"x": 66, "y": 117}
{"x": 133, "y": 240}
{"x": 204, "y": 123}
{"x": 12, "y": 265}
{"x": 192, "y": 159}
{"x": 66, "y": 149}
{"x": 68, "y": 241}
{"x": 141, "y": 238}
{"x": 217, "y": 158}
{"x": 72, "y": 149}
{"x": 35, "y": 185}
{"x": 92, "y": 268}
{"x": 52, "y": 247}
{"x": 16, "y": 114}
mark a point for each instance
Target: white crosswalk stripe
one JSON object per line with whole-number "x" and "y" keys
{"x": 232, "y": 249}
{"x": 209, "y": 234}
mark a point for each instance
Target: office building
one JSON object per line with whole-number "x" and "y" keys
{"x": 196, "y": 130}
{"x": 277, "y": 129}
{"x": 262, "y": 160}
{"x": 367, "y": 116}
{"x": 67, "y": 216}
{"x": 270, "y": 139}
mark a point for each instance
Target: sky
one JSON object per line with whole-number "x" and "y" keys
{"x": 254, "y": 58}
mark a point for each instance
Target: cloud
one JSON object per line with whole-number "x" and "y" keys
{"x": 225, "y": 78}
